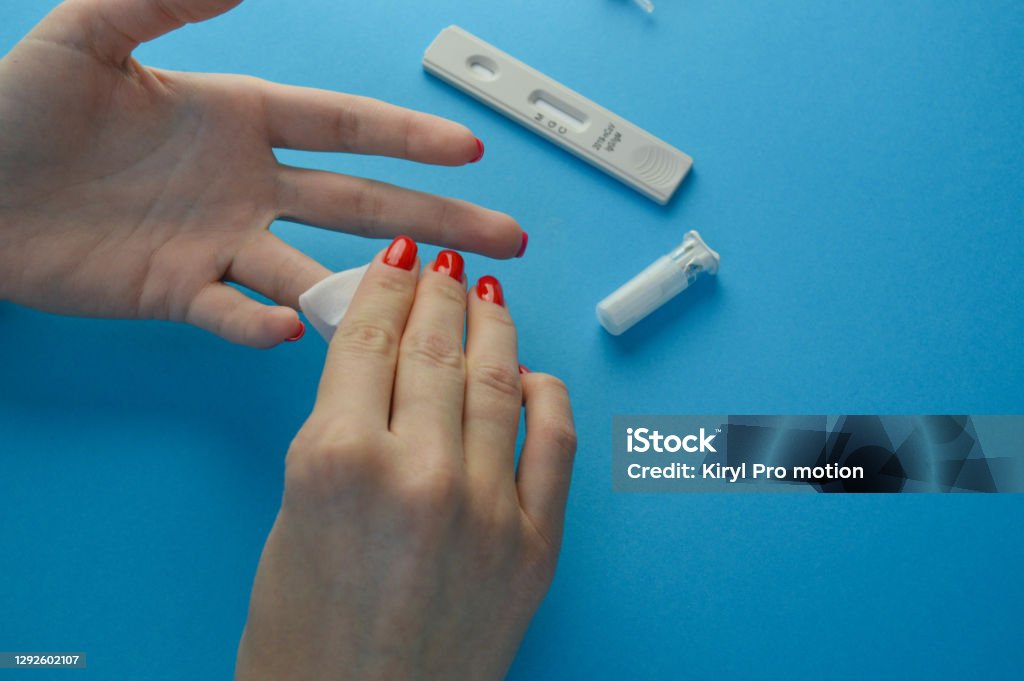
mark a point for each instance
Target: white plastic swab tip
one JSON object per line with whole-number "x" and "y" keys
{"x": 662, "y": 280}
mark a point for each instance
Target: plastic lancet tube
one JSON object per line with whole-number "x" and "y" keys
{"x": 645, "y": 5}
{"x": 664, "y": 279}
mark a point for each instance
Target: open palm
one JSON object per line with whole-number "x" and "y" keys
{"x": 127, "y": 191}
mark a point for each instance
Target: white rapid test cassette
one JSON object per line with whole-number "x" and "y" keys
{"x": 570, "y": 120}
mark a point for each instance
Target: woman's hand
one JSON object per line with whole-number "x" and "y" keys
{"x": 408, "y": 546}
{"x": 127, "y": 191}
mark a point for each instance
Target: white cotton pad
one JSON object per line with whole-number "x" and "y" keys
{"x": 326, "y": 303}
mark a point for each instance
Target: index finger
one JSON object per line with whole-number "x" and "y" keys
{"x": 359, "y": 373}
{"x": 321, "y": 120}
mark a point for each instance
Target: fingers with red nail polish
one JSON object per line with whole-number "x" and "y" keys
{"x": 430, "y": 382}
{"x": 299, "y": 334}
{"x": 450, "y": 263}
{"x": 363, "y": 355}
{"x": 488, "y": 288}
{"x": 493, "y": 385}
{"x": 479, "y": 151}
{"x": 522, "y": 247}
{"x": 401, "y": 253}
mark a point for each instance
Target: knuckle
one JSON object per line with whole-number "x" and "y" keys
{"x": 172, "y": 15}
{"x": 327, "y": 459}
{"x": 388, "y": 281}
{"x": 427, "y": 507}
{"x": 441, "y": 210}
{"x": 496, "y": 315}
{"x": 434, "y": 494}
{"x": 561, "y": 433}
{"x": 499, "y": 376}
{"x": 408, "y": 130}
{"x": 347, "y": 126}
{"x": 246, "y": 83}
{"x": 369, "y": 204}
{"x": 366, "y": 337}
{"x": 433, "y": 349}
{"x": 504, "y": 520}
{"x": 450, "y": 292}
{"x": 552, "y": 384}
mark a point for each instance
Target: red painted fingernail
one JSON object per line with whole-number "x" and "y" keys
{"x": 479, "y": 151}
{"x": 523, "y": 370}
{"x": 450, "y": 263}
{"x": 522, "y": 247}
{"x": 300, "y": 334}
{"x": 488, "y": 288}
{"x": 401, "y": 253}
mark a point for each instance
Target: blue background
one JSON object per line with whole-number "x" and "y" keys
{"x": 859, "y": 168}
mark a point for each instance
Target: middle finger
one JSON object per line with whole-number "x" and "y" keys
{"x": 377, "y": 209}
{"x": 431, "y": 377}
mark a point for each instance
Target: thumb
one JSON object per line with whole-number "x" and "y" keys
{"x": 111, "y": 29}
